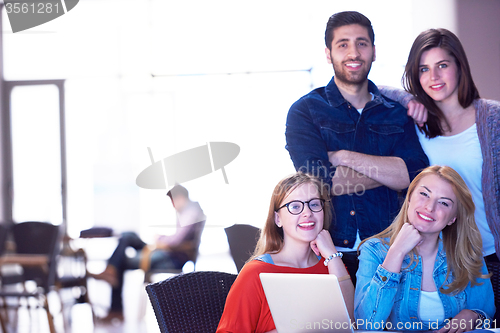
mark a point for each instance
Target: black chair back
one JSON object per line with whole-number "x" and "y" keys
{"x": 242, "y": 239}
{"x": 35, "y": 237}
{"x": 191, "y": 302}
{"x": 4, "y": 232}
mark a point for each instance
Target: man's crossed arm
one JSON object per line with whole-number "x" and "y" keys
{"x": 357, "y": 172}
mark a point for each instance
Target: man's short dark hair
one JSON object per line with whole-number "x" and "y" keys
{"x": 177, "y": 191}
{"x": 347, "y": 18}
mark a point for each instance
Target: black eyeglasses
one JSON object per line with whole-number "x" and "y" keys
{"x": 296, "y": 207}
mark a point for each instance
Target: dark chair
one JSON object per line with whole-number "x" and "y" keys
{"x": 72, "y": 277}
{"x": 34, "y": 238}
{"x": 4, "y": 231}
{"x": 242, "y": 239}
{"x": 191, "y": 302}
{"x": 494, "y": 269}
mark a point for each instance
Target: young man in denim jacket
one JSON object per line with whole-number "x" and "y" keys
{"x": 359, "y": 142}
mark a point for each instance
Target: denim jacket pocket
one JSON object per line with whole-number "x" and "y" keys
{"x": 383, "y": 137}
{"x": 337, "y": 127}
{"x": 337, "y": 135}
{"x": 386, "y": 129}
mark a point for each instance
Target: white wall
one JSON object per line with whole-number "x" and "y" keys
{"x": 479, "y": 31}
{"x": 427, "y": 14}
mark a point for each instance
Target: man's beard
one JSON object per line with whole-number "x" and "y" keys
{"x": 350, "y": 78}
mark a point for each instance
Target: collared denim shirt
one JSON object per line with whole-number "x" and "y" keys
{"x": 382, "y": 296}
{"x": 324, "y": 121}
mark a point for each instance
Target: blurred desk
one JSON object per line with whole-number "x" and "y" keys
{"x": 40, "y": 260}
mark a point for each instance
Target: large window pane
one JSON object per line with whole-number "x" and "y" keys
{"x": 36, "y": 154}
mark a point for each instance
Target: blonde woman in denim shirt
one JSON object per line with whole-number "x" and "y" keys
{"x": 426, "y": 270}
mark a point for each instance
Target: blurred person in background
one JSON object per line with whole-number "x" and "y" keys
{"x": 171, "y": 251}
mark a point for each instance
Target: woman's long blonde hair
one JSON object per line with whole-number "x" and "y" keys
{"x": 461, "y": 240}
{"x": 271, "y": 237}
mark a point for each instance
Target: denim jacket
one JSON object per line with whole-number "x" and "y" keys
{"x": 323, "y": 121}
{"x": 383, "y": 296}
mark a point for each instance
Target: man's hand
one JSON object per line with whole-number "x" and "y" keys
{"x": 348, "y": 181}
{"x": 418, "y": 112}
{"x": 161, "y": 242}
{"x": 335, "y": 157}
{"x": 389, "y": 171}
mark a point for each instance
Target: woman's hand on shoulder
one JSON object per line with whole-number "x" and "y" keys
{"x": 418, "y": 112}
{"x": 323, "y": 244}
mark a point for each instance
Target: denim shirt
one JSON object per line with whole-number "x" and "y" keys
{"x": 323, "y": 121}
{"x": 383, "y": 296}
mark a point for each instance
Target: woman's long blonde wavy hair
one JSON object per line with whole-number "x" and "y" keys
{"x": 271, "y": 237}
{"x": 461, "y": 240}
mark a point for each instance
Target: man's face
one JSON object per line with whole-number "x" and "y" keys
{"x": 351, "y": 54}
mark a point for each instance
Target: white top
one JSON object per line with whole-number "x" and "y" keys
{"x": 361, "y": 110}
{"x": 430, "y": 307}
{"x": 462, "y": 152}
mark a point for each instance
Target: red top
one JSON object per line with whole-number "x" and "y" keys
{"x": 246, "y": 308}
